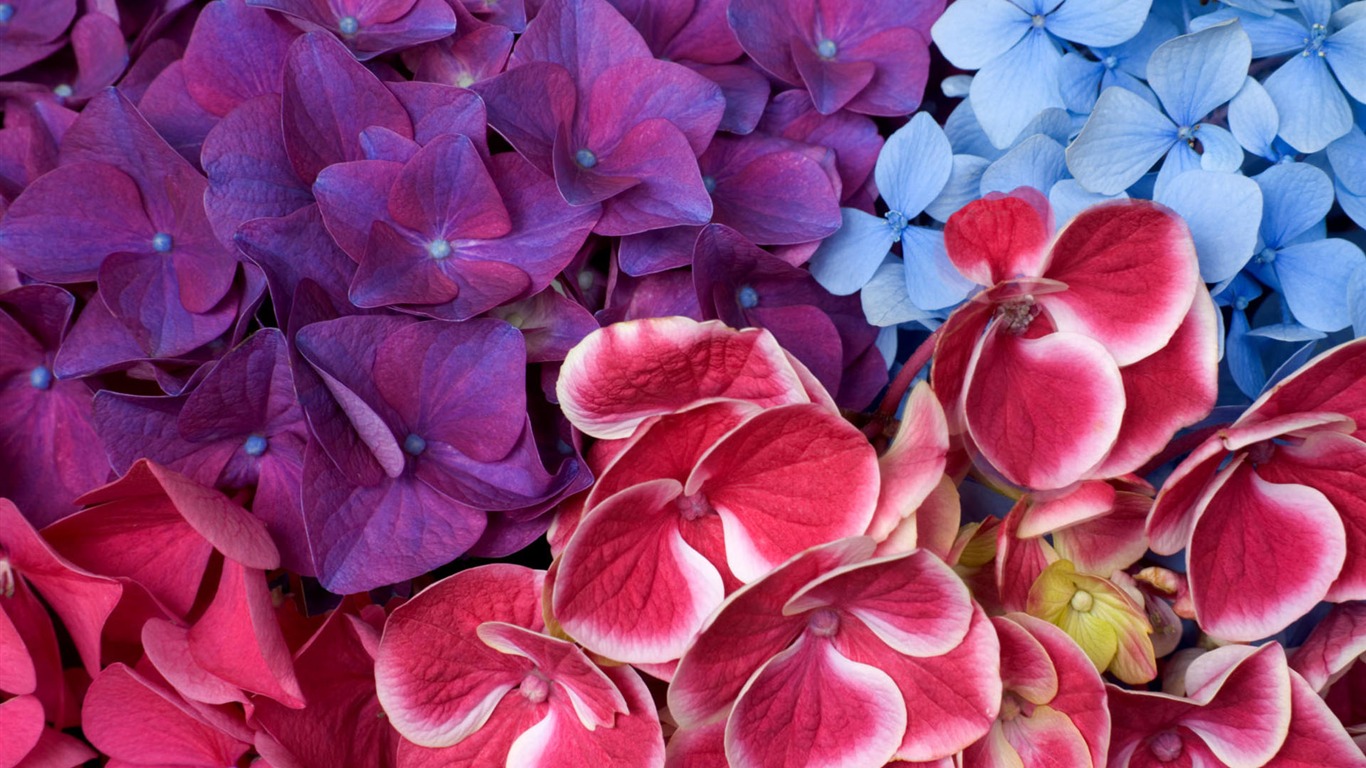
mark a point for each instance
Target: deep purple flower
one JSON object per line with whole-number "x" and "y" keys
{"x": 420, "y": 429}
{"x": 694, "y": 31}
{"x": 854, "y": 138}
{"x": 871, "y": 57}
{"x": 241, "y": 428}
{"x": 585, "y": 101}
{"x": 773, "y": 191}
{"x": 99, "y": 55}
{"x": 367, "y": 27}
{"x": 32, "y": 30}
{"x": 477, "y": 51}
{"x": 48, "y": 445}
{"x": 745, "y": 286}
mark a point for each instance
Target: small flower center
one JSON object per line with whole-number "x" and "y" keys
{"x": 8, "y": 579}
{"x": 1240, "y": 303}
{"x": 1110, "y": 62}
{"x": 1082, "y": 601}
{"x": 749, "y": 298}
{"x": 710, "y": 183}
{"x": 824, "y": 622}
{"x": 6, "y": 13}
{"x": 414, "y": 445}
{"x": 63, "y": 91}
{"x": 896, "y": 221}
{"x": 1313, "y": 45}
{"x": 694, "y": 506}
{"x": 515, "y": 320}
{"x": 1266, "y": 255}
{"x": 464, "y": 80}
{"x": 827, "y": 49}
{"x": 1012, "y": 706}
{"x": 348, "y": 25}
{"x": 1261, "y": 453}
{"x": 535, "y": 687}
{"x": 585, "y": 158}
{"x": 1017, "y": 314}
{"x": 586, "y": 281}
{"x": 1166, "y": 746}
{"x": 438, "y": 249}
{"x": 1038, "y": 20}
{"x": 255, "y": 445}
{"x": 162, "y": 242}
{"x": 40, "y": 377}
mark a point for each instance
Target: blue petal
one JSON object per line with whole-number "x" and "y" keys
{"x": 1347, "y": 157}
{"x": 1290, "y": 332}
{"x": 1270, "y": 35}
{"x": 1098, "y": 22}
{"x": 1037, "y": 162}
{"x": 932, "y": 281}
{"x": 1312, "y": 107}
{"x": 1345, "y": 51}
{"x": 971, "y": 33}
{"x": 965, "y": 134}
{"x": 1224, "y": 212}
{"x": 1068, "y": 198}
{"x": 914, "y": 165}
{"x": 965, "y": 184}
{"x": 1253, "y": 119}
{"x": 1079, "y": 82}
{"x": 1293, "y": 362}
{"x": 1122, "y": 139}
{"x": 885, "y": 301}
{"x": 1219, "y": 150}
{"x": 1244, "y": 357}
{"x": 1132, "y": 57}
{"x": 1353, "y": 204}
{"x": 1356, "y": 301}
{"x": 1192, "y": 74}
{"x": 1261, "y": 7}
{"x": 1314, "y": 280}
{"x": 1015, "y": 87}
{"x": 956, "y": 86}
{"x": 848, "y": 258}
{"x": 1348, "y": 16}
{"x": 1315, "y": 11}
{"x": 1296, "y": 197}
{"x": 1117, "y": 79}
{"x": 886, "y": 344}
{"x": 1182, "y": 159}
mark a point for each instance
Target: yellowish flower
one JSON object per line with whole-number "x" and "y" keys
{"x": 1110, "y": 627}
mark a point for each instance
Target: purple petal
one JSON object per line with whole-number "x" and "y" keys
{"x": 235, "y": 54}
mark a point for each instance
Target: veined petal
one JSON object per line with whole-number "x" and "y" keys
{"x": 1121, "y": 140}
{"x": 971, "y": 33}
{"x": 1314, "y": 111}
{"x": 1314, "y": 279}
{"x": 846, "y": 261}
{"x": 1223, "y": 212}
{"x": 1012, "y": 89}
{"x": 1296, "y": 197}
{"x": 914, "y": 165}
{"x": 999, "y": 238}
{"x": 1105, "y": 23}
{"x": 1192, "y": 74}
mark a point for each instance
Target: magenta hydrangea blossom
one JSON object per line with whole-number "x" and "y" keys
{"x": 33, "y": 30}
{"x": 370, "y": 28}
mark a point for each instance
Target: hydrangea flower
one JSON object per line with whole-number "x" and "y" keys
{"x": 32, "y": 30}
{"x": 369, "y": 29}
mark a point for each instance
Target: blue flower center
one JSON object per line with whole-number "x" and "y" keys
{"x": 255, "y": 445}
{"x": 63, "y": 91}
{"x": 710, "y": 183}
{"x": 6, "y": 13}
{"x": 1110, "y": 62}
{"x": 896, "y": 221}
{"x": 349, "y": 25}
{"x": 438, "y": 249}
{"x": 1038, "y": 20}
{"x": 749, "y": 298}
{"x": 40, "y": 377}
{"x": 1313, "y": 45}
{"x": 1240, "y": 304}
{"x": 162, "y": 242}
{"x": 585, "y": 158}
{"x": 1266, "y": 256}
{"x": 413, "y": 445}
{"x": 827, "y": 49}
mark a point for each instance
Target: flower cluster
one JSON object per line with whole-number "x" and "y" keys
{"x": 682, "y": 383}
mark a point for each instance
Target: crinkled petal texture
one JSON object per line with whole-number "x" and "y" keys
{"x": 835, "y": 655}
{"x": 625, "y": 373}
{"x": 464, "y": 668}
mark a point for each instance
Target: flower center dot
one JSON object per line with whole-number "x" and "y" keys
{"x": 710, "y": 183}
{"x": 414, "y": 445}
{"x": 438, "y": 249}
{"x": 1266, "y": 256}
{"x": 824, "y": 622}
{"x": 1038, "y": 20}
{"x": 162, "y": 242}
{"x": 694, "y": 506}
{"x": 535, "y": 687}
{"x": 585, "y": 158}
{"x": 1313, "y": 45}
{"x": 40, "y": 377}
{"x": 1082, "y": 601}
{"x": 255, "y": 445}
{"x": 63, "y": 91}
{"x": 749, "y": 298}
{"x": 827, "y": 48}
{"x": 1016, "y": 315}
{"x": 896, "y": 221}
{"x": 6, "y": 13}
{"x": 348, "y": 25}
{"x": 1166, "y": 746}
{"x": 1110, "y": 62}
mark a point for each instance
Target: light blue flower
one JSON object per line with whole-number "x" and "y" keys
{"x": 1224, "y": 214}
{"x": 1016, "y": 46}
{"x": 1083, "y": 77}
{"x": 1125, "y": 135}
{"x": 1347, "y": 157}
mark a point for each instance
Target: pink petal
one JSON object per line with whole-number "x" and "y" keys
{"x": 1334, "y": 465}
{"x": 1333, "y": 382}
{"x": 959, "y": 338}
{"x": 1087, "y": 501}
{"x": 239, "y": 640}
{"x": 561, "y": 741}
{"x": 1246, "y": 585}
{"x": 1109, "y": 543}
{"x": 787, "y": 479}
{"x": 128, "y": 718}
{"x": 999, "y": 238}
{"x": 82, "y": 600}
{"x": 1047, "y": 737}
{"x": 951, "y": 700}
{"x": 1174, "y": 511}
{"x": 811, "y": 705}
{"x": 627, "y": 372}
{"x": 914, "y": 603}
{"x": 21, "y": 720}
{"x": 595, "y": 699}
{"x": 1316, "y": 738}
{"x": 1333, "y": 646}
{"x": 747, "y": 630}
{"x": 701, "y": 747}
{"x": 1247, "y": 718}
{"x": 56, "y": 750}
{"x": 488, "y": 746}
{"x": 629, "y": 587}
{"x": 168, "y": 649}
{"x": 1131, "y": 273}
{"x": 1026, "y": 669}
{"x": 913, "y": 465}
{"x": 1079, "y": 685}
{"x": 17, "y": 675}
{"x": 1043, "y": 411}
{"x": 1019, "y": 560}
{"x": 436, "y": 680}
{"x": 1170, "y": 389}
